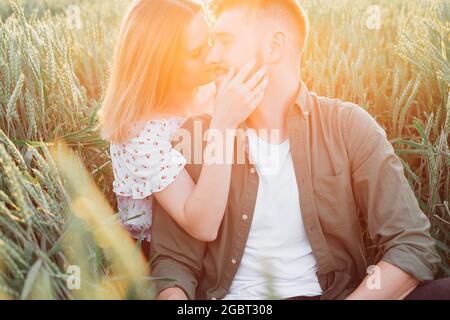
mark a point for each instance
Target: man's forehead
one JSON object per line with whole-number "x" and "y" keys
{"x": 233, "y": 21}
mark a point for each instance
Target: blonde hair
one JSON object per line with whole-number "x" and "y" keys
{"x": 146, "y": 60}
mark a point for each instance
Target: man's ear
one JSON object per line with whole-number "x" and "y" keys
{"x": 276, "y": 47}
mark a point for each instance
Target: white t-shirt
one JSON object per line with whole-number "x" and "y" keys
{"x": 278, "y": 262}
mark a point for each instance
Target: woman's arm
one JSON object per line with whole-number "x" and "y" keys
{"x": 199, "y": 209}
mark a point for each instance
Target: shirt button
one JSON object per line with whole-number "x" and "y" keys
{"x": 245, "y": 217}
{"x": 233, "y": 261}
{"x": 306, "y": 113}
{"x": 213, "y": 298}
{"x": 252, "y": 170}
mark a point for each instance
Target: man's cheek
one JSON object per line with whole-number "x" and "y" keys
{"x": 237, "y": 57}
{"x": 243, "y": 58}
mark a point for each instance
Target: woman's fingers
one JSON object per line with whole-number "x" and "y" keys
{"x": 236, "y": 100}
{"x": 244, "y": 72}
{"x": 261, "y": 87}
{"x": 258, "y": 93}
{"x": 256, "y": 101}
{"x": 227, "y": 78}
{"x": 256, "y": 78}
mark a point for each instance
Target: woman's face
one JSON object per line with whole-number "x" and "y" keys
{"x": 195, "y": 72}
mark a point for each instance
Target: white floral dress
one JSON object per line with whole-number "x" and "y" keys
{"x": 145, "y": 164}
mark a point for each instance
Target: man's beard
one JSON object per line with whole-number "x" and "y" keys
{"x": 222, "y": 71}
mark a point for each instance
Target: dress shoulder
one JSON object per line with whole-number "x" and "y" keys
{"x": 147, "y": 163}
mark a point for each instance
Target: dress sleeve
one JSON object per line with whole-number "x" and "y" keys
{"x": 146, "y": 164}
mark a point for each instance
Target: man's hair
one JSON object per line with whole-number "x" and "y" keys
{"x": 289, "y": 12}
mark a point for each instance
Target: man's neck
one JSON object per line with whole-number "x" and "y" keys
{"x": 272, "y": 112}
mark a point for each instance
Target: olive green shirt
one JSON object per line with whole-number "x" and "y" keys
{"x": 346, "y": 171}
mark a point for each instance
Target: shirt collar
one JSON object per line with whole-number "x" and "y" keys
{"x": 303, "y": 100}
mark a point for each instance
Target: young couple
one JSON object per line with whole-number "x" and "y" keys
{"x": 283, "y": 224}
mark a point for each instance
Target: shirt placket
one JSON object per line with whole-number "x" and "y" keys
{"x": 299, "y": 135}
{"x": 242, "y": 220}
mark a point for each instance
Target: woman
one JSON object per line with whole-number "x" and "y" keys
{"x": 157, "y": 70}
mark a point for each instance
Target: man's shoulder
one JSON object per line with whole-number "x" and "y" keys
{"x": 343, "y": 114}
{"x": 327, "y": 106}
{"x": 199, "y": 122}
{"x": 190, "y": 142}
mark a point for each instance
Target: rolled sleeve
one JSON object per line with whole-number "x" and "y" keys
{"x": 174, "y": 274}
{"x": 415, "y": 262}
{"x": 395, "y": 221}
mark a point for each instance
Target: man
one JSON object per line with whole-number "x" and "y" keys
{"x": 295, "y": 233}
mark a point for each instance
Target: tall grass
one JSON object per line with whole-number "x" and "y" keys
{"x": 52, "y": 77}
{"x": 48, "y": 225}
{"x": 401, "y": 75}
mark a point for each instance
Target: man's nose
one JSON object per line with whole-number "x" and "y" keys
{"x": 213, "y": 57}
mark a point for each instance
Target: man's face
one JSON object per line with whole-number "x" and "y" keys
{"x": 235, "y": 41}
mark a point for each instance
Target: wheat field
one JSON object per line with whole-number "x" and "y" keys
{"x": 392, "y": 57}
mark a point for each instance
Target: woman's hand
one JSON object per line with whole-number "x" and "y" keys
{"x": 193, "y": 206}
{"x": 236, "y": 100}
